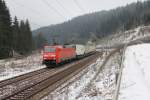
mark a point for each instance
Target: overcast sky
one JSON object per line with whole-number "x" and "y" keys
{"x": 46, "y": 12}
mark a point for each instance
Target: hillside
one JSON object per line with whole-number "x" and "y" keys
{"x": 98, "y": 24}
{"x": 124, "y": 37}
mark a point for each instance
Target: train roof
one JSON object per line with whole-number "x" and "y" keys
{"x": 54, "y": 46}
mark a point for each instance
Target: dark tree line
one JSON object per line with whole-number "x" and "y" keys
{"x": 22, "y": 36}
{"x": 14, "y": 35}
{"x": 5, "y": 29}
{"x": 100, "y": 23}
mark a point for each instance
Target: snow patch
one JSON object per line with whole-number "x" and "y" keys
{"x": 12, "y": 67}
{"x": 86, "y": 87}
{"x": 135, "y": 83}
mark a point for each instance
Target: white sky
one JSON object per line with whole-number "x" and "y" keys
{"x": 46, "y": 12}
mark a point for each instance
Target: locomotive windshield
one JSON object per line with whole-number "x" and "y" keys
{"x": 49, "y": 49}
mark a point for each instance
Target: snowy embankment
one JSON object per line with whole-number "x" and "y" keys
{"x": 12, "y": 67}
{"x": 135, "y": 83}
{"x": 125, "y": 37}
{"x": 87, "y": 86}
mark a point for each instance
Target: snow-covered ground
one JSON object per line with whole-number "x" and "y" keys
{"x": 135, "y": 84}
{"x": 87, "y": 86}
{"x": 124, "y": 37}
{"x": 12, "y": 67}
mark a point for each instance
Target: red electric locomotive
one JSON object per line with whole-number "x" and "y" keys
{"x": 54, "y": 55}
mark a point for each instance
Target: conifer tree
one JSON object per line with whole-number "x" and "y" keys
{"x": 25, "y": 37}
{"x": 29, "y": 40}
{"x": 5, "y": 31}
{"x": 13, "y": 36}
{"x": 16, "y": 34}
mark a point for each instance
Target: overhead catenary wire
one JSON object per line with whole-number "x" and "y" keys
{"x": 34, "y": 23}
{"x": 79, "y": 6}
{"x": 38, "y": 13}
{"x": 31, "y": 22}
{"x": 28, "y": 8}
{"x": 51, "y": 7}
{"x": 58, "y": 2}
{"x": 31, "y": 10}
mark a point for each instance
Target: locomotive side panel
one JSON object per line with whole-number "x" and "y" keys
{"x": 66, "y": 54}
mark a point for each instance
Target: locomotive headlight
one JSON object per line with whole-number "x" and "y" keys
{"x": 45, "y": 55}
{"x": 49, "y": 55}
{"x": 52, "y": 55}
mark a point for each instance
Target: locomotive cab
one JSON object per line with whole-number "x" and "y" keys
{"x": 49, "y": 55}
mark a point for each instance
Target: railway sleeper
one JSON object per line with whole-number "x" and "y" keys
{"x": 35, "y": 89}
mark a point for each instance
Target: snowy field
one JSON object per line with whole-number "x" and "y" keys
{"x": 135, "y": 83}
{"x": 89, "y": 84}
{"x": 11, "y": 68}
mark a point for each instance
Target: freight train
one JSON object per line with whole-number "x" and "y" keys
{"x": 55, "y": 55}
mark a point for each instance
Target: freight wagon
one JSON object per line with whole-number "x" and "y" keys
{"x": 79, "y": 48}
{"x": 90, "y": 47}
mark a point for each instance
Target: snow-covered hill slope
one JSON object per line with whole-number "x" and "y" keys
{"x": 124, "y": 37}
{"x": 135, "y": 83}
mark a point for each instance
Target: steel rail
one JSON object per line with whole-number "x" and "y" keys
{"x": 42, "y": 83}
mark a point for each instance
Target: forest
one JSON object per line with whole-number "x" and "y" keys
{"x": 15, "y": 36}
{"x": 98, "y": 24}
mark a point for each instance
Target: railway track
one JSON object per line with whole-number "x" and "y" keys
{"x": 26, "y": 86}
{"x": 21, "y": 77}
